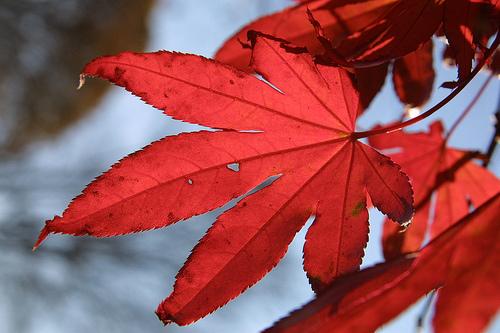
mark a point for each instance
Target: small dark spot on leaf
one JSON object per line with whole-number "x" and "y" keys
{"x": 119, "y": 74}
{"x": 100, "y": 71}
{"x": 360, "y": 206}
{"x": 171, "y": 217}
{"x": 86, "y": 229}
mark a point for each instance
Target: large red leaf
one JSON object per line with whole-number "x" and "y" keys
{"x": 427, "y": 160}
{"x": 463, "y": 260}
{"x": 301, "y": 132}
{"x": 413, "y": 76}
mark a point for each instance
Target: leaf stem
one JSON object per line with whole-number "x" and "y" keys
{"x": 437, "y": 106}
{"x": 469, "y": 107}
{"x": 494, "y": 139}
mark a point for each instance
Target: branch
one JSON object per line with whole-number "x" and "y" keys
{"x": 494, "y": 139}
{"x": 469, "y": 107}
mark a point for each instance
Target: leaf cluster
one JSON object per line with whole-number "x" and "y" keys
{"x": 320, "y": 64}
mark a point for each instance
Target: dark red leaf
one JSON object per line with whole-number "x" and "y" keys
{"x": 458, "y": 30}
{"x": 468, "y": 24}
{"x": 370, "y": 81}
{"x": 399, "y": 31}
{"x": 369, "y": 32}
{"x": 413, "y": 76}
{"x": 338, "y": 18}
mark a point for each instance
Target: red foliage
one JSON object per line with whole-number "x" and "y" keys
{"x": 296, "y": 128}
{"x": 455, "y": 261}
{"x": 434, "y": 168}
{"x": 309, "y": 119}
{"x": 370, "y": 32}
{"x": 338, "y": 18}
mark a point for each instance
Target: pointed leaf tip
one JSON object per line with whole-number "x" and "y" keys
{"x": 43, "y": 234}
{"x": 164, "y": 316}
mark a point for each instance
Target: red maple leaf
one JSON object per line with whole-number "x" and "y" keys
{"x": 463, "y": 261}
{"x": 369, "y": 32}
{"x": 428, "y": 161}
{"x": 303, "y": 133}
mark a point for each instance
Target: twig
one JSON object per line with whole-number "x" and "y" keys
{"x": 439, "y": 105}
{"x": 425, "y": 311}
{"x": 494, "y": 139}
{"x": 469, "y": 107}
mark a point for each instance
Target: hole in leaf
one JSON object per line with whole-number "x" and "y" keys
{"x": 190, "y": 181}
{"x": 391, "y": 151}
{"x": 209, "y": 217}
{"x": 233, "y": 166}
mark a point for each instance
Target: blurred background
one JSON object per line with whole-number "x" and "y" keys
{"x": 54, "y": 140}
